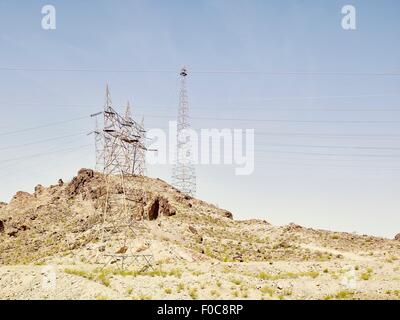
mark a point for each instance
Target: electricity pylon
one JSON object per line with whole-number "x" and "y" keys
{"x": 184, "y": 174}
{"x": 120, "y": 137}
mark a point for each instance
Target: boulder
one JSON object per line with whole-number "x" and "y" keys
{"x": 198, "y": 237}
{"x": 397, "y": 237}
{"x": 227, "y": 214}
{"x": 193, "y": 230}
{"x": 122, "y": 250}
{"x": 238, "y": 257}
{"x": 12, "y": 232}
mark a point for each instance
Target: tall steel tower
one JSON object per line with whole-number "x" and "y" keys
{"x": 121, "y": 137}
{"x": 184, "y": 174}
{"x": 137, "y": 160}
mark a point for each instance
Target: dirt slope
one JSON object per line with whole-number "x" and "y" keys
{"x": 52, "y": 247}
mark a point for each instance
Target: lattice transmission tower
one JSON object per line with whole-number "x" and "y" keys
{"x": 184, "y": 174}
{"x": 116, "y": 145}
{"x": 138, "y": 150}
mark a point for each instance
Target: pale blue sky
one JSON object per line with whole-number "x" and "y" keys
{"x": 354, "y": 189}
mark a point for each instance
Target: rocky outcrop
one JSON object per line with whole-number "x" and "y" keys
{"x": 397, "y": 237}
{"x": 21, "y": 196}
{"x": 211, "y": 209}
{"x": 39, "y": 189}
{"x": 293, "y": 227}
{"x": 80, "y": 185}
{"x": 227, "y": 214}
{"x": 69, "y": 215}
{"x": 12, "y": 227}
{"x": 159, "y": 206}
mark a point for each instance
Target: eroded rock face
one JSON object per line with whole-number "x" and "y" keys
{"x": 159, "y": 206}
{"x": 79, "y": 183}
{"x": 95, "y": 193}
{"x": 153, "y": 211}
{"x": 397, "y": 237}
{"x": 166, "y": 209}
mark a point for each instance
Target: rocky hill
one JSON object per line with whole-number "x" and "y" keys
{"x": 198, "y": 250}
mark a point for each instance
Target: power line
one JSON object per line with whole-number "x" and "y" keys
{"x": 44, "y": 153}
{"x": 15, "y": 163}
{"x": 210, "y": 71}
{"x": 330, "y": 97}
{"x": 43, "y": 126}
{"x": 95, "y": 70}
{"x": 330, "y": 147}
{"x": 268, "y": 162}
{"x": 228, "y": 119}
{"x": 310, "y": 146}
{"x": 333, "y": 135}
{"x": 220, "y": 107}
{"x": 297, "y": 73}
{"x": 334, "y": 154}
{"x": 297, "y": 121}
{"x": 283, "y": 120}
{"x": 280, "y": 108}
{"x": 46, "y": 105}
{"x": 339, "y": 160}
{"x": 41, "y": 141}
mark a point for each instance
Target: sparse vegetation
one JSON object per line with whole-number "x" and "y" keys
{"x": 287, "y": 275}
{"x": 101, "y": 276}
{"x": 341, "y": 295}
{"x": 168, "y": 290}
{"x": 366, "y": 275}
{"x": 267, "y": 290}
{"x": 236, "y": 281}
{"x": 180, "y": 287}
{"x": 193, "y": 293}
{"x": 254, "y": 264}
